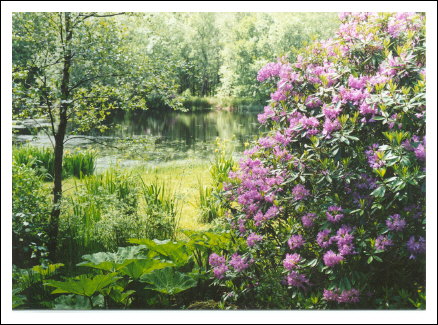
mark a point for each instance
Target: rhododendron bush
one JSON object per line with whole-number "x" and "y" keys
{"x": 331, "y": 200}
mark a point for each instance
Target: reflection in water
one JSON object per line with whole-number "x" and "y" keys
{"x": 158, "y": 136}
{"x": 190, "y": 129}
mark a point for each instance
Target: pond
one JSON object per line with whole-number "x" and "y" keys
{"x": 155, "y": 137}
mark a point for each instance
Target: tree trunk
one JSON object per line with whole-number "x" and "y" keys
{"x": 59, "y": 139}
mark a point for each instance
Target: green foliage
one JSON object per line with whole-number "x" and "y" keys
{"x": 219, "y": 54}
{"x": 77, "y": 302}
{"x": 209, "y": 196}
{"x": 161, "y": 211}
{"x": 113, "y": 262}
{"x": 253, "y": 39}
{"x": 83, "y": 285}
{"x": 104, "y": 210}
{"x": 30, "y": 212}
{"x": 222, "y": 164}
{"x": 76, "y": 164}
{"x": 209, "y": 206}
{"x": 79, "y": 163}
{"x": 177, "y": 252}
{"x": 168, "y": 281}
{"x": 119, "y": 279}
{"x": 28, "y": 290}
{"x": 195, "y": 103}
{"x": 100, "y": 214}
{"x": 137, "y": 268}
{"x": 39, "y": 159}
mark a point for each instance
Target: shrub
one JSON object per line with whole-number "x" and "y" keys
{"x": 332, "y": 199}
{"x": 30, "y": 215}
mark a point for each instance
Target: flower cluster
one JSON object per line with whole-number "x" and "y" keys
{"x": 291, "y": 261}
{"x": 346, "y": 296}
{"x": 300, "y": 192}
{"x": 375, "y": 156}
{"x": 416, "y": 247}
{"x": 331, "y": 258}
{"x": 395, "y": 223}
{"x": 253, "y": 239}
{"x": 308, "y": 219}
{"x": 296, "y": 241}
{"x": 383, "y": 242}
{"x": 220, "y": 266}
{"x": 333, "y": 214}
{"x": 296, "y": 279}
{"x": 323, "y": 238}
{"x": 238, "y": 263}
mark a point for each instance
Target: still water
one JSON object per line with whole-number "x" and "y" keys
{"x": 154, "y": 137}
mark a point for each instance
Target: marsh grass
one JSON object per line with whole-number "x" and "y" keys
{"x": 162, "y": 210}
{"x": 209, "y": 207}
{"x": 80, "y": 164}
{"x": 39, "y": 159}
{"x": 76, "y": 163}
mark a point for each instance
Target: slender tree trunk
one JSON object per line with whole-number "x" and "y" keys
{"x": 59, "y": 138}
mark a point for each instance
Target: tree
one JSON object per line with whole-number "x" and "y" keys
{"x": 73, "y": 68}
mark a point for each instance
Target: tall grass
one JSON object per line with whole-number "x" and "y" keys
{"x": 162, "y": 211}
{"x": 76, "y": 164}
{"x": 209, "y": 207}
{"x": 39, "y": 159}
{"x": 80, "y": 164}
{"x": 99, "y": 214}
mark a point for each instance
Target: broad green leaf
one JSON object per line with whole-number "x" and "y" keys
{"x": 114, "y": 261}
{"x": 379, "y": 192}
{"x": 120, "y": 296}
{"x": 168, "y": 281}
{"x": 137, "y": 268}
{"x": 83, "y": 285}
{"x": 68, "y": 302}
{"x": 177, "y": 252}
{"x": 378, "y": 259}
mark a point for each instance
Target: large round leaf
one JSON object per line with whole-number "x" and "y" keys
{"x": 168, "y": 281}
{"x": 114, "y": 261}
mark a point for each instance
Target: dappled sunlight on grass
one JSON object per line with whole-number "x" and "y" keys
{"x": 181, "y": 179}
